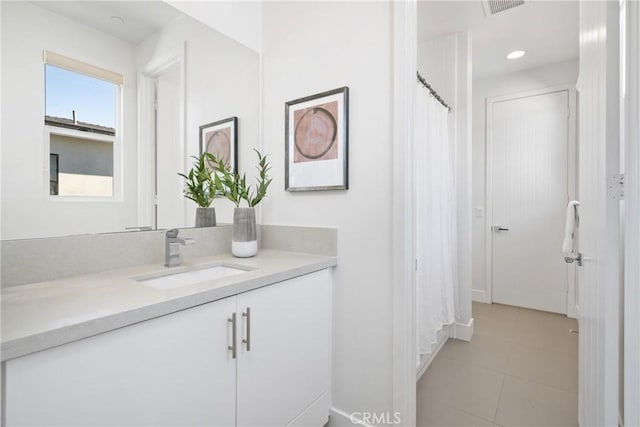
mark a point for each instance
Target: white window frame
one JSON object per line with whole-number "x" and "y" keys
{"x": 115, "y": 140}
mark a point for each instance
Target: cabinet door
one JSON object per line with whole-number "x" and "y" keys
{"x": 172, "y": 370}
{"x": 287, "y": 367}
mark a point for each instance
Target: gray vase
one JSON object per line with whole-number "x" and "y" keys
{"x": 205, "y": 217}
{"x": 244, "y": 242}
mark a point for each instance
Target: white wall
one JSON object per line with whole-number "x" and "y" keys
{"x": 464, "y": 149}
{"x": 437, "y": 64}
{"x": 222, "y": 80}
{"x": 445, "y": 63}
{"x": 27, "y": 210}
{"x": 310, "y": 47}
{"x": 535, "y": 78}
{"x": 240, "y": 20}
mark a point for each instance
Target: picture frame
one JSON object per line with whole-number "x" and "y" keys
{"x": 221, "y": 139}
{"x": 317, "y": 142}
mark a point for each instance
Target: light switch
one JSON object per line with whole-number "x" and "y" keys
{"x": 479, "y": 212}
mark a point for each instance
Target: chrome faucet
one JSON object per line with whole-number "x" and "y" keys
{"x": 172, "y": 247}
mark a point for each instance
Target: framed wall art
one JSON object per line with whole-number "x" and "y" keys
{"x": 220, "y": 138}
{"x": 316, "y": 142}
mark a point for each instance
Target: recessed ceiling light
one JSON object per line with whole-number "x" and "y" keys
{"x": 117, "y": 19}
{"x": 516, "y": 54}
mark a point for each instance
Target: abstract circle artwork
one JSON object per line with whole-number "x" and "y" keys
{"x": 315, "y": 133}
{"x": 218, "y": 143}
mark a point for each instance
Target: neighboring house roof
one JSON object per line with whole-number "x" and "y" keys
{"x": 82, "y": 126}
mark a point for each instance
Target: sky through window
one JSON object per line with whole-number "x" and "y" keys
{"x": 93, "y": 100}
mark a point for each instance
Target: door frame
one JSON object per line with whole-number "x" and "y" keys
{"x": 405, "y": 61}
{"x": 146, "y": 130}
{"x": 570, "y": 88}
{"x": 631, "y": 111}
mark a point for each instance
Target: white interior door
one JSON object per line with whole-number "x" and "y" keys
{"x": 599, "y": 282}
{"x": 529, "y": 158}
{"x": 169, "y": 198}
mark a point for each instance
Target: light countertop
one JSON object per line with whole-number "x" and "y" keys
{"x": 42, "y": 315}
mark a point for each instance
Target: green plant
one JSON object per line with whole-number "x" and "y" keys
{"x": 199, "y": 185}
{"x": 263, "y": 181}
{"x": 234, "y": 187}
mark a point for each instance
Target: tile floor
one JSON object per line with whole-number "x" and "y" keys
{"x": 520, "y": 369}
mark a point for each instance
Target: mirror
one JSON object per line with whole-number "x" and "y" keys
{"x": 177, "y": 74}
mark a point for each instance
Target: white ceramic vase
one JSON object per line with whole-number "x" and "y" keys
{"x": 244, "y": 241}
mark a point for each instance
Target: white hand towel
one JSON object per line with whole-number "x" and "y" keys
{"x": 570, "y": 227}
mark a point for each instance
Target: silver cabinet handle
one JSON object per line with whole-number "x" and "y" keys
{"x": 232, "y": 347}
{"x": 247, "y": 341}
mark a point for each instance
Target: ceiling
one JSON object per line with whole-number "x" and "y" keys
{"x": 141, "y": 18}
{"x": 546, "y": 30}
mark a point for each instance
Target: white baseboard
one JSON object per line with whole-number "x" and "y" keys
{"x": 339, "y": 418}
{"x": 480, "y": 296}
{"x": 425, "y": 361}
{"x": 315, "y": 414}
{"x": 463, "y": 331}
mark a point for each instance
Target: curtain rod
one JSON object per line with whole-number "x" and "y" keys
{"x": 433, "y": 92}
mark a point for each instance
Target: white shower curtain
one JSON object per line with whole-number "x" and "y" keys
{"x": 436, "y": 237}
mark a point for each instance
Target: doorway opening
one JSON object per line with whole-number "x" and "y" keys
{"x": 162, "y": 153}
{"x": 167, "y": 154}
{"x": 512, "y": 127}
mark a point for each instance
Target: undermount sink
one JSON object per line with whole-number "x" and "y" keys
{"x": 189, "y": 277}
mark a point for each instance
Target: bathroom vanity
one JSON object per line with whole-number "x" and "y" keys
{"x": 253, "y": 348}
{"x": 94, "y": 331}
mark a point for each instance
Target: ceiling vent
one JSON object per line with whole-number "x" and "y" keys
{"x": 491, "y": 7}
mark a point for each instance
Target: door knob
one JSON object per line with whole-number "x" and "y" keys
{"x": 499, "y": 228}
{"x": 569, "y": 258}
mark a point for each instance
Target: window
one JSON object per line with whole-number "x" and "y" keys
{"x": 81, "y": 122}
{"x": 53, "y": 174}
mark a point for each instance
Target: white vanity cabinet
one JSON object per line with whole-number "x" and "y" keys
{"x": 287, "y": 367}
{"x": 172, "y": 370}
{"x": 179, "y": 369}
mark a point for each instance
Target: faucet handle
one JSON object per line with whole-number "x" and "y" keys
{"x": 172, "y": 233}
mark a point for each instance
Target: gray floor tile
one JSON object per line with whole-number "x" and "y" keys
{"x": 552, "y": 366}
{"x": 495, "y": 320}
{"x": 484, "y": 350}
{"x": 525, "y": 403}
{"x": 435, "y": 415}
{"x": 460, "y": 385}
{"x": 536, "y": 328}
{"x": 520, "y": 369}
